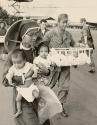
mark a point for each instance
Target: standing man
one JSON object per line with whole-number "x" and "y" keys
{"x": 2, "y": 29}
{"x": 87, "y": 39}
{"x": 60, "y": 38}
{"x": 43, "y": 28}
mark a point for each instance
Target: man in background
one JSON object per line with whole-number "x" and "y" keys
{"x": 87, "y": 39}
{"x": 43, "y": 27}
{"x": 2, "y": 29}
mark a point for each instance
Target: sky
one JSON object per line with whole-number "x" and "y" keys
{"x": 76, "y": 9}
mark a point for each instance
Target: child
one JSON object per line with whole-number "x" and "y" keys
{"x": 24, "y": 69}
{"x": 49, "y": 105}
{"x": 42, "y": 60}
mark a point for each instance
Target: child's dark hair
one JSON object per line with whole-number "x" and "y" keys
{"x": 43, "y": 45}
{"x": 17, "y": 52}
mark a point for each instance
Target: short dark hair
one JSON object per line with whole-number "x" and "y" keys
{"x": 83, "y": 20}
{"x": 18, "y": 52}
{"x": 43, "y": 20}
{"x": 62, "y": 16}
{"x": 42, "y": 44}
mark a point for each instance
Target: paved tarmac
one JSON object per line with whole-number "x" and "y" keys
{"x": 81, "y": 104}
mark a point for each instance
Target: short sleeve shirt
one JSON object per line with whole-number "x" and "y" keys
{"x": 53, "y": 39}
{"x": 19, "y": 72}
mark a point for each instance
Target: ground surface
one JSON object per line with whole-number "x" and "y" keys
{"x": 82, "y": 100}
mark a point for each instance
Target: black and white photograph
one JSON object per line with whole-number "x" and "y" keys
{"x": 48, "y": 62}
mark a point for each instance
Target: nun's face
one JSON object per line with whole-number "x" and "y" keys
{"x": 27, "y": 41}
{"x": 33, "y": 41}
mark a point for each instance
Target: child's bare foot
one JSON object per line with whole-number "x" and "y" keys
{"x": 17, "y": 114}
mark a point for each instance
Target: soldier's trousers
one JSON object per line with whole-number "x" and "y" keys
{"x": 63, "y": 84}
{"x": 92, "y": 65}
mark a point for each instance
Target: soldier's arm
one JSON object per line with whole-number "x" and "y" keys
{"x": 72, "y": 43}
{"x": 85, "y": 33}
{"x": 47, "y": 37}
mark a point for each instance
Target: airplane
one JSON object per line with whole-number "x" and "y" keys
{"x": 78, "y": 25}
{"x": 92, "y": 24}
{"x": 22, "y": 0}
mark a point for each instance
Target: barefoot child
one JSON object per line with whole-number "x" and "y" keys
{"x": 25, "y": 70}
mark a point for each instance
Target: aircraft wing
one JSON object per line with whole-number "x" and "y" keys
{"x": 92, "y": 24}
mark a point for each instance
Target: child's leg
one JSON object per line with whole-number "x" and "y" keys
{"x": 18, "y": 104}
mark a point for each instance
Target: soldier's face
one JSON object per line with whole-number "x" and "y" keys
{"x": 82, "y": 23}
{"x": 63, "y": 24}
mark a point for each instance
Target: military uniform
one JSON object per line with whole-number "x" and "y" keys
{"x": 86, "y": 32}
{"x": 54, "y": 39}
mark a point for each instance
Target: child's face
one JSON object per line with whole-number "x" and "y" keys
{"x": 43, "y": 52}
{"x": 18, "y": 62}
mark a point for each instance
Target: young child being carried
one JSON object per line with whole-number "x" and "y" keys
{"x": 25, "y": 70}
{"x": 49, "y": 104}
{"x": 42, "y": 60}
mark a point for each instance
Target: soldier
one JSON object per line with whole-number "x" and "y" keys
{"x": 60, "y": 38}
{"x": 87, "y": 39}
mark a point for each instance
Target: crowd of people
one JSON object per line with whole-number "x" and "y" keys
{"x": 33, "y": 75}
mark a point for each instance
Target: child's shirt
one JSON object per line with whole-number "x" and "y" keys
{"x": 19, "y": 72}
{"x": 46, "y": 62}
{"x": 42, "y": 79}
